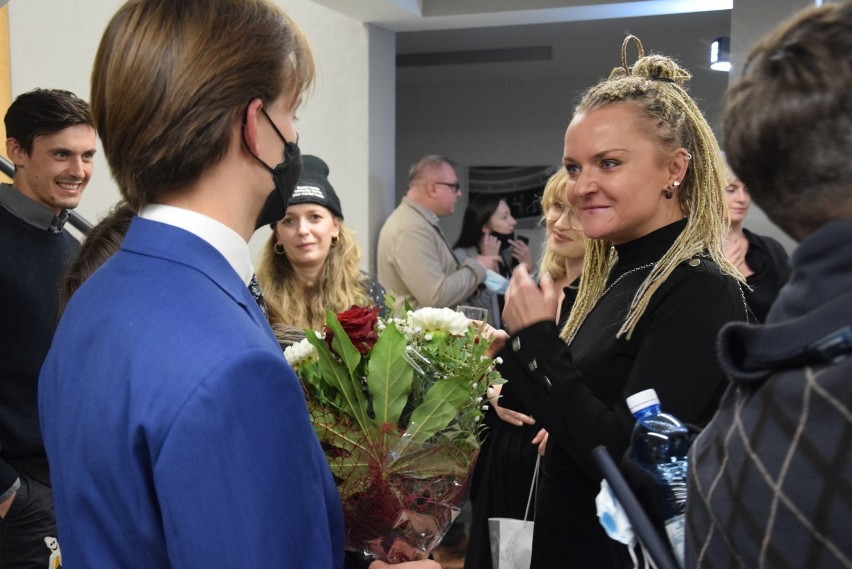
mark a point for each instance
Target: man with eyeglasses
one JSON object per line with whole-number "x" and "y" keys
{"x": 414, "y": 258}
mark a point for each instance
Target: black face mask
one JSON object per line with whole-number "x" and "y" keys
{"x": 503, "y": 238}
{"x": 285, "y": 175}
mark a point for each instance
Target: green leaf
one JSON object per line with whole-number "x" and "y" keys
{"x": 348, "y": 451}
{"x": 439, "y": 407}
{"x": 389, "y": 376}
{"x": 333, "y": 373}
{"x": 441, "y": 457}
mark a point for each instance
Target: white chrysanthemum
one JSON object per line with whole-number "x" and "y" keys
{"x": 300, "y": 352}
{"x": 433, "y": 319}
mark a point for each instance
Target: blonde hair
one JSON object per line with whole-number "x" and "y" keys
{"x": 340, "y": 284}
{"x": 653, "y": 86}
{"x": 551, "y": 263}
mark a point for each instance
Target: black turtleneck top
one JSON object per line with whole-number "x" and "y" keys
{"x": 577, "y": 392}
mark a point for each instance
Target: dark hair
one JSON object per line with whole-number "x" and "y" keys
{"x": 793, "y": 154}
{"x": 171, "y": 79}
{"x": 44, "y": 111}
{"x": 478, "y": 212}
{"x": 101, "y": 242}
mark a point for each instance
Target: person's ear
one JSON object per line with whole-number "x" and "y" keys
{"x": 679, "y": 164}
{"x": 15, "y": 151}
{"x": 250, "y": 125}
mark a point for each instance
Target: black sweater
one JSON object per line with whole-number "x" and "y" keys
{"x": 32, "y": 264}
{"x": 578, "y": 393}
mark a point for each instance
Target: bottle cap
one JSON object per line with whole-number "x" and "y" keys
{"x": 641, "y": 400}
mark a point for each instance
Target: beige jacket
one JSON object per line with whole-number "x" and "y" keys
{"x": 415, "y": 261}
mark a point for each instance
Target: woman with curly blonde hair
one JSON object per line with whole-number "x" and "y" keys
{"x": 645, "y": 179}
{"x": 310, "y": 262}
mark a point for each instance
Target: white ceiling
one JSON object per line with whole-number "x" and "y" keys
{"x": 584, "y": 38}
{"x": 422, "y": 15}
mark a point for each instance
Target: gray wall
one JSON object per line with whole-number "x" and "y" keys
{"x": 516, "y": 113}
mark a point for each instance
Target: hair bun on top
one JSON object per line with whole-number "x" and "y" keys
{"x": 661, "y": 68}
{"x": 654, "y": 67}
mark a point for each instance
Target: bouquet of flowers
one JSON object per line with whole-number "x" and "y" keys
{"x": 397, "y": 404}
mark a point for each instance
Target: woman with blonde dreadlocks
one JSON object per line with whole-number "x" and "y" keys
{"x": 310, "y": 262}
{"x": 644, "y": 179}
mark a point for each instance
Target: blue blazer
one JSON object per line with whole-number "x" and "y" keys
{"x": 176, "y": 432}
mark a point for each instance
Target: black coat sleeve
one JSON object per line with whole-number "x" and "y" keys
{"x": 676, "y": 356}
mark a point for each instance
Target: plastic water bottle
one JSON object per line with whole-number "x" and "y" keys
{"x": 660, "y": 444}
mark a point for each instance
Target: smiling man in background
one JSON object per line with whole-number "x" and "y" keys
{"x": 51, "y": 141}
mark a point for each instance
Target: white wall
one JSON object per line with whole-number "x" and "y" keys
{"x": 53, "y": 44}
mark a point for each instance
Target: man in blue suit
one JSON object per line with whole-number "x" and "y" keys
{"x": 176, "y": 433}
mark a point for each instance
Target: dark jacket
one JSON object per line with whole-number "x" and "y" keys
{"x": 770, "y": 479}
{"x": 771, "y": 266}
{"x": 577, "y": 392}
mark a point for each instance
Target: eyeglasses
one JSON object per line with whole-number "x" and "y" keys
{"x": 557, "y": 210}
{"x": 455, "y": 186}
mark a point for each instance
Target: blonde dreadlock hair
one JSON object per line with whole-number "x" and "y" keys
{"x": 654, "y": 85}
{"x": 339, "y": 286}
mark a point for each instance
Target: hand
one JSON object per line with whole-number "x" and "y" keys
{"x": 496, "y": 339}
{"x": 422, "y": 564}
{"x": 6, "y": 504}
{"x": 735, "y": 251}
{"x": 526, "y": 304}
{"x": 489, "y": 245}
{"x": 489, "y": 261}
{"x": 512, "y": 417}
{"x": 540, "y": 439}
{"x": 521, "y": 253}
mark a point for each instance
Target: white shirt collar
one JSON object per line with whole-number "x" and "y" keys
{"x": 221, "y": 237}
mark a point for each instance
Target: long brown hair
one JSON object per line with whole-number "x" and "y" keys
{"x": 340, "y": 284}
{"x": 171, "y": 78}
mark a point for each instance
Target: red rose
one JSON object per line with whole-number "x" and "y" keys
{"x": 359, "y": 323}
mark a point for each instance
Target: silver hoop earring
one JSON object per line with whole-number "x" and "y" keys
{"x": 278, "y": 248}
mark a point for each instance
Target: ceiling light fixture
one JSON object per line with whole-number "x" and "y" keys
{"x": 720, "y": 54}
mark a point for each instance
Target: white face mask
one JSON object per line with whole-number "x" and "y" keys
{"x": 495, "y": 282}
{"x": 613, "y": 518}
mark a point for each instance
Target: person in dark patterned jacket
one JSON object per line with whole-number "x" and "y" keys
{"x": 770, "y": 479}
